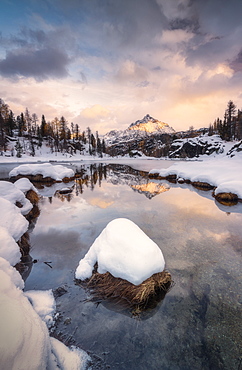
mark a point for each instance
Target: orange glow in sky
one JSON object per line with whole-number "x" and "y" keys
{"x": 107, "y": 64}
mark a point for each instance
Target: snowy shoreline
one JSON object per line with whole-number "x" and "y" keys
{"x": 26, "y": 316}
{"x": 222, "y": 174}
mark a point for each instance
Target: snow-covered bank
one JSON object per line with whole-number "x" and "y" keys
{"x": 45, "y": 170}
{"x": 25, "y": 342}
{"x": 223, "y": 173}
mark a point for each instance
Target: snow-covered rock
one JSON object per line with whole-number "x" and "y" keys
{"x": 196, "y": 146}
{"x": 125, "y": 251}
{"x": 12, "y": 220}
{"x": 236, "y": 148}
{"x": 9, "y": 249}
{"x": 13, "y": 224}
{"x": 25, "y": 185}
{"x": 55, "y": 172}
{"x": 234, "y": 187}
{"x": 12, "y": 193}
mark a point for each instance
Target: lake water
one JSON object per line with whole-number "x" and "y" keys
{"x": 198, "y": 325}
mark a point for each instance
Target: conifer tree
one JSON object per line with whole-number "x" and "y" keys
{"x": 93, "y": 145}
{"x": 19, "y": 149}
{"x": 103, "y": 146}
{"x": 231, "y": 108}
{"x": 43, "y": 127}
{"x": 4, "y": 110}
{"x": 2, "y": 135}
{"x": 21, "y": 124}
{"x": 10, "y": 124}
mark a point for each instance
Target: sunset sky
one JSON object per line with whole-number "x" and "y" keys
{"x": 107, "y": 63}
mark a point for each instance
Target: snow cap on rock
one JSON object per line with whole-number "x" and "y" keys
{"x": 57, "y": 172}
{"x": 125, "y": 251}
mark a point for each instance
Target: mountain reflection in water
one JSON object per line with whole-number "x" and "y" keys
{"x": 198, "y": 324}
{"x": 93, "y": 175}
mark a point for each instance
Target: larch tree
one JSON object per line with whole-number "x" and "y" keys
{"x": 230, "y": 111}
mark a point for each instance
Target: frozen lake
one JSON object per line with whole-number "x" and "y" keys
{"x": 198, "y": 325}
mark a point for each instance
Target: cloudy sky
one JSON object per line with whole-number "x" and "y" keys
{"x": 107, "y": 63}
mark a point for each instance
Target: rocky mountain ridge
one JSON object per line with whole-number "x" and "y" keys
{"x": 140, "y": 129}
{"x": 151, "y": 125}
{"x": 146, "y": 135}
{"x": 154, "y": 138}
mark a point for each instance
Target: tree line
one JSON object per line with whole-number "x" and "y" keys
{"x": 230, "y": 127}
{"x": 58, "y": 135}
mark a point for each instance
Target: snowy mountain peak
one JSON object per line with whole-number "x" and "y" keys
{"x": 140, "y": 130}
{"x": 151, "y": 125}
{"x": 146, "y": 119}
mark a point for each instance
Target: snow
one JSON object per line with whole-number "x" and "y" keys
{"x": 151, "y": 125}
{"x": 25, "y": 185}
{"x": 44, "y": 304}
{"x": 125, "y": 251}
{"x": 12, "y": 222}
{"x": 10, "y": 213}
{"x": 137, "y": 130}
{"x": 12, "y": 273}
{"x": 234, "y": 187}
{"x": 24, "y": 341}
{"x": 9, "y": 249}
{"x": 12, "y": 193}
{"x": 56, "y": 172}
{"x": 224, "y": 173}
{"x": 69, "y": 358}
{"x": 122, "y": 249}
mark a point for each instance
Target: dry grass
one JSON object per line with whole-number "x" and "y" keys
{"x": 34, "y": 178}
{"x": 227, "y": 199}
{"x": 202, "y": 185}
{"x": 33, "y": 214}
{"x": 156, "y": 176}
{"x": 24, "y": 244}
{"x": 39, "y": 178}
{"x": 68, "y": 179}
{"x": 32, "y": 196}
{"x": 105, "y": 287}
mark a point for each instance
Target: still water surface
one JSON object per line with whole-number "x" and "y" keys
{"x": 199, "y": 323}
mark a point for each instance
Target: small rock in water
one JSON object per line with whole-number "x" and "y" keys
{"x": 58, "y": 292}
